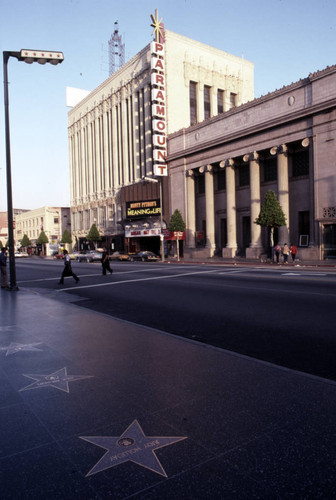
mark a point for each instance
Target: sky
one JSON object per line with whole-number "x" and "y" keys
{"x": 285, "y": 39}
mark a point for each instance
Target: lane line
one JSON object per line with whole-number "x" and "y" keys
{"x": 137, "y": 280}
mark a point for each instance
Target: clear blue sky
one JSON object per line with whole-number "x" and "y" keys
{"x": 285, "y": 39}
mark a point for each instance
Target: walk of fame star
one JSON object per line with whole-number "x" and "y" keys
{"x": 131, "y": 446}
{"x": 14, "y": 347}
{"x": 59, "y": 379}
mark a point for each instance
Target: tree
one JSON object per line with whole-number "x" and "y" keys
{"x": 66, "y": 238}
{"x": 176, "y": 222}
{"x": 1, "y": 245}
{"x": 271, "y": 214}
{"x": 25, "y": 242}
{"x": 93, "y": 235}
{"x": 42, "y": 240}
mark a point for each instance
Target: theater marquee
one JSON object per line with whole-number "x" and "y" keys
{"x": 141, "y": 209}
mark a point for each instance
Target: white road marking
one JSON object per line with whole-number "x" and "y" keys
{"x": 137, "y": 280}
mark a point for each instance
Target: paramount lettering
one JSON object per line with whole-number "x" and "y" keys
{"x": 159, "y": 110}
{"x": 158, "y": 95}
{"x": 159, "y": 140}
{"x": 157, "y": 48}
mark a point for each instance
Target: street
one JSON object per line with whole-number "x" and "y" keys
{"x": 282, "y": 315}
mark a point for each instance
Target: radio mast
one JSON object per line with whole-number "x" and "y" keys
{"x": 116, "y": 50}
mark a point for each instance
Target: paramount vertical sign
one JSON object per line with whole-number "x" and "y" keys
{"x": 158, "y": 98}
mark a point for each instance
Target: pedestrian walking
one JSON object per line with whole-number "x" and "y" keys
{"x": 285, "y": 253}
{"x": 277, "y": 251}
{"x": 106, "y": 263}
{"x": 67, "y": 271}
{"x": 3, "y": 268}
{"x": 293, "y": 250}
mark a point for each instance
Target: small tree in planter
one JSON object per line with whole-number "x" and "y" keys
{"x": 94, "y": 235}
{"x": 66, "y": 238}
{"x": 25, "y": 242}
{"x": 177, "y": 223}
{"x": 271, "y": 215}
{"x": 42, "y": 240}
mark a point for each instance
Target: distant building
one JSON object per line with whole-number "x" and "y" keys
{"x": 4, "y": 224}
{"x": 221, "y": 169}
{"x": 52, "y": 220}
{"x": 111, "y": 134}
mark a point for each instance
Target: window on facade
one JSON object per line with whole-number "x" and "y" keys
{"x": 233, "y": 100}
{"x": 221, "y": 180}
{"x": 270, "y": 169}
{"x": 304, "y": 222}
{"x": 300, "y": 163}
{"x": 193, "y": 102}
{"x": 55, "y": 220}
{"x": 220, "y": 101}
{"x": 200, "y": 184}
{"x": 244, "y": 175}
{"x": 206, "y": 101}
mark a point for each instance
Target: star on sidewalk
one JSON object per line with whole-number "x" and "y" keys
{"x": 14, "y": 347}
{"x": 131, "y": 446}
{"x": 59, "y": 379}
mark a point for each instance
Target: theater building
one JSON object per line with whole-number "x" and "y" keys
{"x": 117, "y": 134}
{"x": 221, "y": 169}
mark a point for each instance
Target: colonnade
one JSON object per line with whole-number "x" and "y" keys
{"x": 230, "y": 164}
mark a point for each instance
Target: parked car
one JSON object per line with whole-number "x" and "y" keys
{"x": 146, "y": 256}
{"x": 58, "y": 256}
{"x": 20, "y": 255}
{"x": 120, "y": 256}
{"x": 88, "y": 256}
{"x": 74, "y": 255}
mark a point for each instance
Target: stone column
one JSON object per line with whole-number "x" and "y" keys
{"x": 191, "y": 214}
{"x": 283, "y": 193}
{"x": 115, "y": 159}
{"x": 124, "y": 136}
{"x": 209, "y": 208}
{"x": 255, "y": 249}
{"x": 231, "y": 222}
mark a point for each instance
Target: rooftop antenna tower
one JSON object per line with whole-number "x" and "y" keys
{"x": 116, "y": 50}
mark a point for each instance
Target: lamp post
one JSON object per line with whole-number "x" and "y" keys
{"x": 151, "y": 179}
{"x": 28, "y": 56}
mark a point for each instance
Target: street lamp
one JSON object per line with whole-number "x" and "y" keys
{"x": 151, "y": 179}
{"x": 28, "y": 56}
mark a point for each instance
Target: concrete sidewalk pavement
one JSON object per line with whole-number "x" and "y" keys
{"x": 96, "y": 408}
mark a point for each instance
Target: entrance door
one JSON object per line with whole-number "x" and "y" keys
{"x": 329, "y": 240}
{"x": 246, "y": 232}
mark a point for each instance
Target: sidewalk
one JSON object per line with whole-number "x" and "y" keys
{"x": 96, "y": 408}
{"x": 242, "y": 261}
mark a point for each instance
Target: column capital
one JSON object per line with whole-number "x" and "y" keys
{"x": 305, "y": 142}
{"x": 201, "y": 170}
{"x": 251, "y": 157}
{"x": 209, "y": 168}
{"x": 190, "y": 173}
{"x": 229, "y": 162}
{"x": 282, "y": 149}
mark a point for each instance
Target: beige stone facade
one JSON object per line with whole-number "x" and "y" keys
{"x": 52, "y": 220}
{"x": 110, "y": 131}
{"x": 220, "y": 171}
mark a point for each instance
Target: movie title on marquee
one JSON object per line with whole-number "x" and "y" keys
{"x": 158, "y": 94}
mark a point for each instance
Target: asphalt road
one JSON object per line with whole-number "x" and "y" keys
{"x": 281, "y": 315}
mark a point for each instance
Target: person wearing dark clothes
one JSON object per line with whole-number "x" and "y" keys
{"x": 3, "y": 268}
{"x": 106, "y": 263}
{"x": 67, "y": 271}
